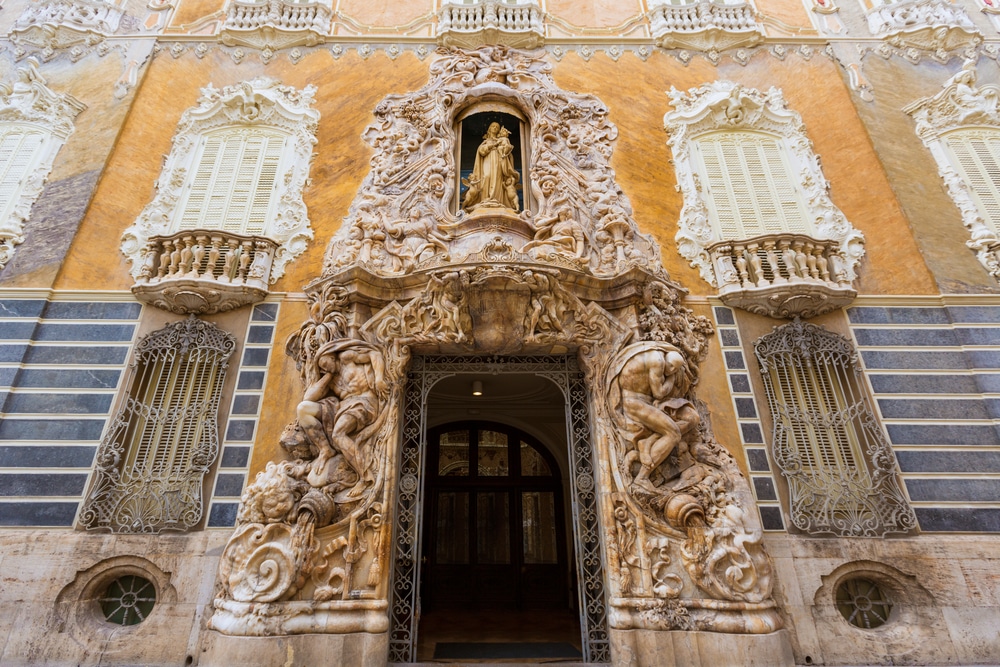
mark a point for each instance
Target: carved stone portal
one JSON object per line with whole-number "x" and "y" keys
{"x": 319, "y": 534}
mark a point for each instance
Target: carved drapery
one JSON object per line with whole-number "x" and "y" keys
{"x": 655, "y": 492}
{"x": 961, "y": 107}
{"x": 165, "y": 437}
{"x": 767, "y": 279}
{"x": 262, "y": 115}
{"x": 841, "y": 472}
{"x": 34, "y": 122}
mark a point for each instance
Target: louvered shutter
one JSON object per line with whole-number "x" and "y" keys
{"x": 233, "y": 185}
{"x": 748, "y": 187}
{"x": 976, "y": 154}
{"x": 19, "y": 151}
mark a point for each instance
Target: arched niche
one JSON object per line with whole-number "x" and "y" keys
{"x": 471, "y": 127}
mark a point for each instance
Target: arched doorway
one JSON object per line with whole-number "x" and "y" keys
{"x": 495, "y": 532}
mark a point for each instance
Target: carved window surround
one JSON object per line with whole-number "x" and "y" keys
{"x": 922, "y": 24}
{"x": 186, "y": 262}
{"x": 491, "y": 22}
{"x": 34, "y": 124}
{"x": 705, "y": 25}
{"x": 59, "y": 24}
{"x": 963, "y": 111}
{"x": 806, "y": 269}
{"x": 275, "y": 24}
{"x": 827, "y": 442}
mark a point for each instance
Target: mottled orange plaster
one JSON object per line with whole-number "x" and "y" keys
{"x": 596, "y": 14}
{"x": 792, "y": 14}
{"x": 384, "y": 14}
{"x": 192, "y": 11}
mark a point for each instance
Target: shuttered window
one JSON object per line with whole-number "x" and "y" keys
{"x": 747, "y": 185}
{"x": 975, "y": 154}
{"x": 20, "y": 150}
{"x": 232, "y": 188}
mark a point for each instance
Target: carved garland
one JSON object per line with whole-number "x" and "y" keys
{"x": 28, "y": 105}
{"x": 728, "y": 106}
{"x": 962, "y": 105}
{"x": 259, "y": 103}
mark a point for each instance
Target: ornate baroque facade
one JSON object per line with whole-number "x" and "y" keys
{"x": 676, "y": 321}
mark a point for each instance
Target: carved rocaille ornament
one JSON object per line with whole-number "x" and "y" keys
{"x": 408, "y": 275}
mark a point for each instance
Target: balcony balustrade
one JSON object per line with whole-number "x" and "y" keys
{"x": 62, "y": 23}
{"x": 924, "y": 24}
{"x": 491, "y": 22}
{"x": 204, "y": 272}
{"x": 705, "y": 26}
{"x": 782, "y": 275}
{"x": 275, "y": 24}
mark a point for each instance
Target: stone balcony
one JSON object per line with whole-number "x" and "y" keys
{"x": 782, "y": 275}
{"x": 275, "y": 24}
{"x": 705, "y": 26}
{"x": 62, "y": 23}
{"x": 924, "y": 24}
{"x": 205, "y": 272}
{"x": 491, "y": 22}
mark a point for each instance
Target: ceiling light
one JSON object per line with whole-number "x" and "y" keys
{"x": 477, "y": 388}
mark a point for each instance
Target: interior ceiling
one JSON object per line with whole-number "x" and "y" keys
{"x": 526, "y": 401}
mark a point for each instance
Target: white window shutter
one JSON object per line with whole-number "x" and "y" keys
{"x": 20, "y": 149}
{"x": 977, "y": 159}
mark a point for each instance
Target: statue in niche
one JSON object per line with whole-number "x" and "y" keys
{"x": 494, "y": 181}
{"x": 653, "y": 383}
{"x": 339, "y": 413}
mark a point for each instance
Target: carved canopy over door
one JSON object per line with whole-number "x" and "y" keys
{"x": 319, "y": 533}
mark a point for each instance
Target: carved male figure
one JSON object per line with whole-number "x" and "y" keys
{"x": 653, "y": 384}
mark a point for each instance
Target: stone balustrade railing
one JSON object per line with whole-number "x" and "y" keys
{"x": 203, "y": 271}
{"x": 76, "y": 16}
{"x": 926, "y": 24}
{"x": 491, "y": 22}
{"x": 705, "y": 26}
{"x": 782, "y": 275}
{"x": 291, "y": 16}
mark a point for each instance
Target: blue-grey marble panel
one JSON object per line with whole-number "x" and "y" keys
{"x": 942, "y": 434}
{"x": 16, "y": 330}
{"x": 958, "y": 519}
{"x": 240, "y": 429}
{"x": 984, "y": 359}
{"x": 99, "y": 310}
{"x": 894, "y": 315}
{"x": 255, "y": 356}
{"x": 771, "y": 519}
{"x": 729, "y": 337}
{"x": 890, "y": 359}
{"x": 229, "y": 485}
{"x": 265, "y": 312}
{"x": 724, "y": 315}
{"x": 51, "y": 429}
{"x": 223, "y": 515}
{"x": 975, "y": 314}
{"x": 69, "y": 379}
{"x": 21, "y": 307}
{"x": 941, "y": 408}
{"x": 260, "y": 334}
{"x": 734, "y": 360}
{"x": 954, "y": 490}
{"x": 740, "y": 383}
{"x": 979, "y": 336}
{"x": 925, "y": 384}
{"x": 251, "y": 380}
{"x": 77, "y": 354}
{"x": 12, "y": 353}
{"x": 47, "y": 456}
{"x": 745, "y": 408}
{"x": 67, "y": 403}
{"x": 948, "y": 461}
{"x": 245, "y": 405}
{"x": 234, "y": 457}
{"x": 41, "y": 484}
{"x": 7, "y": 376}
{"x": 85, "y": 332}
{"x": 37, "y": 514}
{"x": 906, "y": 337}
{"x": 752, "y": 433}
{"x": 764, "y": 488}
{"x": 757, "y": 459}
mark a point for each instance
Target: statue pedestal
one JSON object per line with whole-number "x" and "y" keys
{"x": 634, "y": 648}
{"x": 360, "y": 648}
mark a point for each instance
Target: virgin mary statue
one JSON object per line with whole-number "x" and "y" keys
{"x": 494, "y": 181}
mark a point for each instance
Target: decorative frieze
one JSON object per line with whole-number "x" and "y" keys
{"x": 491, "y": 22}
{"x": 275, "y": 24}
{"x": 205, "y": 272}
{"x": 58, "y": 24}
{"x": 923, "y": 24}
{"x": 783, "y": 275}
{"x": 705, "y": 26}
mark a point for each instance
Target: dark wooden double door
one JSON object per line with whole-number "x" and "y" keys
{"x": 494, "y": 525}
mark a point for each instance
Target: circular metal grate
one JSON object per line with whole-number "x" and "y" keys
{"x": 863, "y": 603}
{"x": 128, "y": 600}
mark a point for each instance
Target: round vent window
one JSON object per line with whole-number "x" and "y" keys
{"x": 863, "y": 603}
{"x": 128, "y": 600}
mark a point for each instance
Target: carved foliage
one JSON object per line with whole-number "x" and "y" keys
{"x": 723, "y": 106}
{"x": 406, "y": 199}
{"x": 247, "y": 108}
{"x": 40, "y": 120}
{"x": 963, "y": 106}
{"x": 839, "y": 464}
